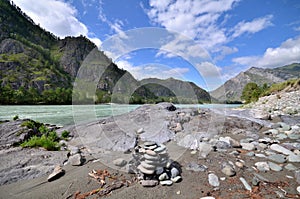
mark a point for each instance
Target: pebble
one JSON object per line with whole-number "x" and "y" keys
{"x": 193, "y": 152}
{"x": 274, "y": 131}
{"x": 57, "y": 173}
{"x": 193, "y": 166}
{"x": 213, "y": 180}
{"x": 204, "y": 149}
{"x": 280, "y": 149}
{"x": 147, "y": 144}
{"x": 178, "y": 192}
{"x": 149, "y": 183}
{"x": 294, "y": 158}
{"x": 239, "y": 164}
{"x": 163, "y": 177}
{"x": 262, "y": 166}
{"x": 250, "y": 154}
{"x": 274, "y": 167}
{"x": 281, "y": 136}
{"x": 150, "y": 157}
{"x": 255, "y": 181}
{"x": 159, "y": 170}
{"x": 279, "y": 158}
{"x": 290, "y": 167}
{"x": 298, "y": 189}
{"x": 145, "y": 171}
{"x": 260, "y": 155}
{"x": 160, "y": 149}
{"x": 75, "y": 160}
{"x": 208, "y": 197}
{"x": 174, "y": 172}
{"x": 139, "y": 131}
{"x": 248, "y": 146}
{"x": 228, "y": 170}
{"x": 166, "y": 182}
{"x": 153, "y": 147}
{"x": 120, "y": 162}
{"x": 245, "y": 183}
{"x": 148, "y": 166}
{"x": 176, "y": 179}
{"x": 150, "y": 152}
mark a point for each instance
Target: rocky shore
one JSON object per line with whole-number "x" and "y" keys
{"x": 201, "y": 153}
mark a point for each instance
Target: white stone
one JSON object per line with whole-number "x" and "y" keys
{"x": 294, "y": 158}
{"x": 248, "y": 146}
{"x": 245, "y": 183}
{"x": 262, "y": 166}
{"x": 204, "y": 149}
{"x": 281, "y": 149}
{"x": 213, "y": 180}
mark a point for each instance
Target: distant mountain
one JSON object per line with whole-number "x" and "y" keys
{"x": 38, "y": 67}
{"x": 185, "y": 92}
{"x": 231, "y": 90}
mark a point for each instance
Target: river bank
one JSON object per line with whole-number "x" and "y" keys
{"x": 220, "y": 155}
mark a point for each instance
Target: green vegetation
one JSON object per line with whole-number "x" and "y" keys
{"x": 252, "y": 92}
{"x": 16, "y": 117}
{"x": 42, "y": 136}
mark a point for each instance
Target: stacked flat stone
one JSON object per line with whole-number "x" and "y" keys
{"x": 155, "y": 165}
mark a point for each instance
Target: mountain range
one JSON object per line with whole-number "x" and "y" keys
{"x": 231, "y": 90}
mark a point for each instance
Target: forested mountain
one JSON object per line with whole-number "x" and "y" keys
{"x": 36, "y": 67}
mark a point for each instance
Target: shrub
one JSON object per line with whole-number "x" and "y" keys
{"x": 65, "y": 134}
{"x": 16, "y": 117}
{"x": 43, "y": 141}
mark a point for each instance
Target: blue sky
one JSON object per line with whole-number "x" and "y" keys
{"x": 236, "y": 34}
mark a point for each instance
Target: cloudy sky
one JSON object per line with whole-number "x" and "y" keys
{"x": 236, "y": 34}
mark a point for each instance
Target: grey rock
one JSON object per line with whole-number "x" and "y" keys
{"x": 248, "y": 146}
{"x": 193, "y": 166}
{"x": 294, "y": 158}
{"x": 228, "y": 170}
{"x": 294, "y": 136}
{"x": 120, "y": 162}
{"x": 144, "y": 170}
{"x": 166, "y": 182}
{"x": 150, "y": 157}
{"x": 290, "y": 167}
{"x": 73, "y": 150}
{"x": 204, "y": 149}
{"x": 250, "y": 154}
{"x": 140, "y": 130}
{"x": 280, "y": 149}
{"x": 255, "y": 181}
{"x": 222, "y": 145}
{"x": 260, "y": 155}
{"x": 261, "y": 178}
{"x": 281, "y": 136}
{"x": 176, "y": 179}
{"x": 75, "y": 160}
{"x": 245, "y": 183}
{"x": 147, "y": 144}
{"x": 297, "y": 176}
{"x": 208, "y": 197}
{"x": 163, "y": 176}
{"x": 149, "y": 183}
{"x": 174, "y": 172}
{"x": 57, "y": 173}
{"x": 159, "y": 170}
{"x": 213, "y": 180}
{"x": 284, "y": 126}
{"x": 262, "y": 166}
{"x": 279, "y": 158}
{"x": 274, "y": 167}
{"x": 274, "y": 131}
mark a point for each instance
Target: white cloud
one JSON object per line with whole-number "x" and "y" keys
{"x": 55, "y": 16}
{"x": 288, "y": 52}
{"x": 208, "y": 69}
{"x": 153, "y": 70}
{"x": 253, "y": 26}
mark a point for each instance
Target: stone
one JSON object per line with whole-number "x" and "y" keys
{"x": 150, "y": 152}
{"x": 250, "y": 154}
{"x": 150, "y": 147}
{"x": 279, "y": 158}
{"x": 239, "y": 164}
{"x": 255, "y": 181}
{"x": 178, "y": 127}
{"x": 280, "y": 149}
{"x": 222, "y": 145}
{"x": 298, "y": 189}
{"x": 147, "y": 144}
{"x": 228, "y": 170}
{"x": 294, "y": 158}
{"x": 178, "y": 192}
{"x": 260, "y": 155}
{"x": 73, "y": 150}
{"x": 163, "y": 176}
{"x": 281, "y": 136}
{"x": 213, "y": 180}
{"x": 75, "y": 160}
{"x": 294, "y": 136}
{"x": 204, "y": 149}
{"x": 208, "y": 197}
{"x": 149, "y": 183}
{"x": 57, "y": 173}
{"x": 160, "y": 149}
{"x": 297, "y": 176}
{"x": 140, "y": 130}
{"x": 284, "y": 126}
{"x": 150, "y": 157}
{"x": 148, "y": 166}
{"x": 245, "y": 183}
{"x": 166, "y": 182}
{"x": 193, "y": 152}
{"x": 144, "y": 170}
{"x": 248, "y": 146}
{"x": 290, "y": 167}
{"x": 262, "y": 166}
{"x": 274, "y": 131}
{"x": 274, "y": 167}
{"x": 193, "y": 166}
{"x": 159, "y": 170}
{"x": 174, "y": 172}
{"x": 176, "y": 179}
{"x": 120, "y": 162}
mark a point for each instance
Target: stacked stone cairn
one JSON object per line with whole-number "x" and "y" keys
{"x": 154, "y": 165}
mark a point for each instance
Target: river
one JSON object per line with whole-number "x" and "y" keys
{"x": 68, "y": 114}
